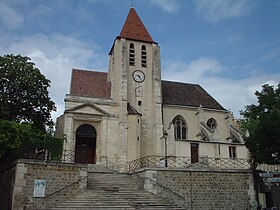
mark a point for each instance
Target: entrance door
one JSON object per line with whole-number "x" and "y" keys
{"x": 194, "y": 153}
{"x": 85, "y": 144}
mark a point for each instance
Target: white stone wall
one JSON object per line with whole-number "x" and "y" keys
{"x": 218, "y": 146}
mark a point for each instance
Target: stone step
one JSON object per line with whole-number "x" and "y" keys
{"x": 114, "y": 191}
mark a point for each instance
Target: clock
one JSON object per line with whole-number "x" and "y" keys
{"x": 138, "y": 76}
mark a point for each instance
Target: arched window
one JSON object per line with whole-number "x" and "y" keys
{"x": 212, "y": 123}
{"x": 180, "y": 128}
{"x": 131, "y": 55}
{"x": 143, "y": 56}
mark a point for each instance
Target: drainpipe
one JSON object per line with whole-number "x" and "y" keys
{"x": 191, "y": 190}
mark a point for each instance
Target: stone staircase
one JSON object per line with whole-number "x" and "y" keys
{"x": 107, "y": 190}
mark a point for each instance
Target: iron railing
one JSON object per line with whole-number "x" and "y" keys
{"x": 59, "y": 195}
{"x": 187, "y": 162}
{"x": 173, "y": 196}
{"x": 68, "y": 156}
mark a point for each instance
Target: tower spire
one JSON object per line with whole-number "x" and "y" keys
{"x": 134, "y": 29}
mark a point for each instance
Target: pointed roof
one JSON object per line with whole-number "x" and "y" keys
{"x": 134, "y": 28}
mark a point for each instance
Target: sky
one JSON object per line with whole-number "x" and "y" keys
{"x": 229, "y": 47}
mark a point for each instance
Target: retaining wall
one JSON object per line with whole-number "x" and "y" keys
{"x": 203, "y": 189}
{"x": 57, "y": 176}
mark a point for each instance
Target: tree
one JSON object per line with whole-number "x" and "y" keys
{"x": 24, "y": 95}
{"x": 22, "y": 140}
{"x": 262, "y": 121}
{"x": 25, "y": 109}
{"x": 9, "y": 136}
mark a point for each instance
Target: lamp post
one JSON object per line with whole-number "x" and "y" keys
{"x": 165, "y": 134}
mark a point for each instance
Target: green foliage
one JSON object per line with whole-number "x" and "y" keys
{"x": 23, "y": 139}
{"x": 9, "y": 136}
{"x": 25, "y": 109}
{"x": 33, "y": 139}
{"x": 24, "y": 95}
{"x": 262, "y": 121}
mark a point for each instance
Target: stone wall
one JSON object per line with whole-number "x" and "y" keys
{"x": 7, "y": 178}
{"x": 57, "y": 176}
{"x": 207, "y": 190}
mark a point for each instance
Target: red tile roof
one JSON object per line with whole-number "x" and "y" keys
{"x": 94, "y": 84}
{"x": 134, "y": 28}
{"x": 90, "y": 84}
{"x": 184, "y": 94}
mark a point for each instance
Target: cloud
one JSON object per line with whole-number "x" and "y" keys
{"x": 10, "y": 17}
{"x": 273, "y": 54}
{"x": 55, "y": 55}
{"x": 232, "y": 94}
{"x": 197, "y": 69}
{"x": 235, "y": 38}
{"x": 216, "y": 10}
{"x": 169, "y": 6}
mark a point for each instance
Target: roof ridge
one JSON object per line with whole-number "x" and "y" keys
{"x": 88, "y": 70}
{"x": 181, "y": 82}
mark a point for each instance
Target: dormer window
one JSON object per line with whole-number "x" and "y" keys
{"x": 143, "y": 56}
{"x": 131, "y": 55}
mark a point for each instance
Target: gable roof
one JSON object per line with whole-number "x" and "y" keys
{"x": 185, "y": 94}
{"x": 134, "y": 28}
{"x": 90, "y": 84}
{"x": 95, "y": 84}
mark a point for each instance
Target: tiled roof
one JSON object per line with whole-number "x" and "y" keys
{"x": 94, "y": 84}
{"x": 184, "y": 94}
{"x": 131, "y": 110}
{"x": 134, "y": 28}
{"x": 90, "y": 84}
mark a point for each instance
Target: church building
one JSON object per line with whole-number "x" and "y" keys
{"x": 129, "y": 112}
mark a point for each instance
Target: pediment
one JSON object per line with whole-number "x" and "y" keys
{"x": 87, "y": 108}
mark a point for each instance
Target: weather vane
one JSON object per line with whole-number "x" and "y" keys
{"x": 132, "y": 2}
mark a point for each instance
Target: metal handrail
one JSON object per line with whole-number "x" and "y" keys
{"x": 110, "y": 165}
{"x": 68, "y": 156}
{"x": 188, "y": 162}
{"x": 160, "y": 185}
{"x": 63, "y": 188}
{"x": 58, "y": 191}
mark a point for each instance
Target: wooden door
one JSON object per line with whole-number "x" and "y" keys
{"x": 194, "y": 153}
{"x": 85, "y": 150}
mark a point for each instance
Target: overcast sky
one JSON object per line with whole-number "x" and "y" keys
{"x": 229, "y": 47}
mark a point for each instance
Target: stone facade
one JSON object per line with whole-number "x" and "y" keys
{"x": 207, "y": 190}
{"x": 57, "y": 176}
{"x": 130, "y": 116}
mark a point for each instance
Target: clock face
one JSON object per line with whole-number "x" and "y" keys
{"x": 138, "y": 76}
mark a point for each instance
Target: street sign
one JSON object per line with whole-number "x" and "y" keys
{"x": 275, "y": 179}
{"x": 266, "y": 175}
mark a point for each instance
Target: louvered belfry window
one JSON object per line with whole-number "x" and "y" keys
{"x": 143, "y": 56}
{"x": 131, "y": 55}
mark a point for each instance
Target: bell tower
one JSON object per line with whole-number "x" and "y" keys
{"x": 135, "y": 75}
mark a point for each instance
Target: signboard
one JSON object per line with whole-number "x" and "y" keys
{"x": 266, "y": 175}
{"x": 39, "y": 188}
{"x": 275, "y": 179}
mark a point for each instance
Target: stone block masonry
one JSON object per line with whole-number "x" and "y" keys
{"x": 57, "y": 176}
{"x": 207, "y": 190}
